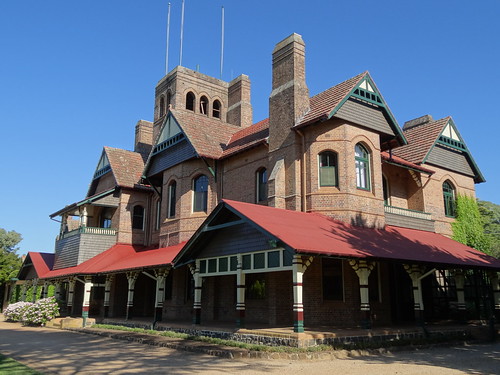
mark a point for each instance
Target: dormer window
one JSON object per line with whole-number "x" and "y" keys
{"x": 190, "y": 101}
{"x": 216, "y": 109}
{"x": 204, "y": 105}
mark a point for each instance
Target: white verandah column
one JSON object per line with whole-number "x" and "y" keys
{"x": 299, "y": 266}
{"x": 416, "y": 273}
{"x": 195, "y": 271}
{"x": 35, "y": 289}
{"x": 107, "y": 293}
{"x": 459, "y": 288}
{"x": 240, "y": 293}
{"x": 45, "y": 290}
{"x": 363, "y": 269}
{"x": 131, "y": 278}
{"x": 161, "y": 275}
{"x": 86, "y": 299}
{"x": 24, "y": 288}
{"x": 71, "y": 293}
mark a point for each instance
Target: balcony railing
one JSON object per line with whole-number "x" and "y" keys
{"x": 88, "y": 230}
{"x": 409, "y": 213}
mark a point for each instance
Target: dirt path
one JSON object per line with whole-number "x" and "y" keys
{"x": 62, "y": 352}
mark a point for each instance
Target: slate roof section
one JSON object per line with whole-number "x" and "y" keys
{"x": 247, "y": 138}
{"x": 126, "y": 166}
{"x": 326, "y": 236}
{"x": 207, "y": 135}
{"x": 121, "y": 257}
{"x": 322, "y": 104}
{"x": 420, "y": 140}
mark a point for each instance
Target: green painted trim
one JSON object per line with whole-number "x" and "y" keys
{"x": 298, "y": 326}
{"x": 95, "y": 197}
{"x": 393, "y": 123}
{"x": 479, "y": 176}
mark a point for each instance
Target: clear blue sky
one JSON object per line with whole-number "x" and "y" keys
{"x": 76, "y": 76}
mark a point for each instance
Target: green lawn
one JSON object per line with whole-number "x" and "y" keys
{"x": 8, "y": 367}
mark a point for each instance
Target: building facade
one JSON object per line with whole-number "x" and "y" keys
{"x": 325, "y": 213}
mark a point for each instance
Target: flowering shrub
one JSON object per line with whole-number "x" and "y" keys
{"x": 15, "y": 311}
{"x": 33, "y": 313}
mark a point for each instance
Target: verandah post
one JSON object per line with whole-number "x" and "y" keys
{"x": 87, "y": 288}
{"x": 195, "y": 270}
{"x": 107, "y": 293}
{"x": 71, "y": 292}
{"x": 459, "y": 287}
{"x": 131, "y": 278}
{"x": 416, "y": 272}
{"x": 240, "y": 294}
{"x": 299, "y": 266}
{"x": 161, "y": 276}
{"x": 495, "y": 286}
{"x": 363, "y": 269}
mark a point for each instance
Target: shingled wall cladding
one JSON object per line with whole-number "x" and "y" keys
{"x": 170, "y": 157}
{"x": 364, "y": 114}
{"x": 77, "y": 249}
{"x": 449, "y": 159}
{"x": 409, "y": 222}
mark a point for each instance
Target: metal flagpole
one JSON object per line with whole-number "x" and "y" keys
{"x": 182, "y": 31}
{"x": 168, "y": 39}
{"x": 222, "y": 44}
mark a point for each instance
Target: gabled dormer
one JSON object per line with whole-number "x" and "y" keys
{"x": 359, "y": 101}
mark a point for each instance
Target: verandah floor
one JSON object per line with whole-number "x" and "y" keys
{"x": 255, "y": 333}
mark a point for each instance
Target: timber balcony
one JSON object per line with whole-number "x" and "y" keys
{"x": 403, "y": 217}
{"x": 81, "y": 244}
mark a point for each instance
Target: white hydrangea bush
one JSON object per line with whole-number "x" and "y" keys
{"x": 37, "y": 313}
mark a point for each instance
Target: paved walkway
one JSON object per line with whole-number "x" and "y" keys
{"x": 62, "y": 352}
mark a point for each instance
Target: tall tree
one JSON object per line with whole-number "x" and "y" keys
{"x": 490, "y": 212}
{"x": 9, "y": 260}
{"x": 468, "y": 227}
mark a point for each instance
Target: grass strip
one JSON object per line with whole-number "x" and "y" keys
{"x": 8, "y": 366}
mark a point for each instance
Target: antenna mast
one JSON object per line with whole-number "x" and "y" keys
{"x": 222, "y": 44}
{"x": 182, "y": 32}
{"x": 168, "y": 39}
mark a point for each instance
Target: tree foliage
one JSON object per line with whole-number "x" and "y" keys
{"x": 490, "y": 213}
{"x": 468, "y": 227}
{"x": 9, "y": 260}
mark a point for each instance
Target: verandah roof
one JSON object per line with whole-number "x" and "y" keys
{"x": 312, "y": 233}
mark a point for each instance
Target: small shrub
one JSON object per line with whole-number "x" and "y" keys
{"x": 15, "y": 311}
{"x": 37, "y": 313}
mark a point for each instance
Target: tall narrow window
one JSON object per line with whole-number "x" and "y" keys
{"x": 328, "y": 169}
{"x": 261, "y": 185}
{"x": 158, "y": 215}
{"x": 169, "y": 100}
{"x": 162, "y": 106}
{"x": 190, "y": 101}
{"x": 362, "y": 167}
{"x": 138, "y": 217}
{"x": 216, "y": 109}
{"x": 385, "y": 187}
{"x": 449, "y": 199}
{"x": 333, "y": 279}
{"x": 172, "y": 188}
{"x": 204, "y": 105}
{"x": 200, "y": 189}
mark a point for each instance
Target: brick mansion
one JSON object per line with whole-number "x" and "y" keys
{"x": 326, "y": 213}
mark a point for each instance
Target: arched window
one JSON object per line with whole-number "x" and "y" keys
{"x": 162, "y": 106}
{"x": 449, "y": 199}
{"x": 169, "y": 100}
{"x": 362, "y": 167}
{"x": 172, "y": 191}
{"x": 138, "y": 217}
{"x": 385, "y": 187}
{"x": 328, "y": 169}
{"x": 261, "y": 192}
{"x": 216, "y": 109}
{"x": 204, "y": 105}
{"x": 190, "y": 101}
{"x": 200, "y": 190}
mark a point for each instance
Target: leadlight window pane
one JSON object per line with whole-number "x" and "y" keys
{"x": 233, "y": 263}
{"x": 259, "y": 260}
{"x": 222, "y": 264}
{"x": 200, "y": 198}
{"x": 273, "y": 259}
{"x": 287, "y": 258}
{"x": 328, "y": 169}
{"x": 203, "y": 266}
{"x": 247, "y": 262}
{"x": 212, "y": 265}
{"x": 138, "y": 218}
{"x": 362, "y": 167}
{"x": 172, "y": 198}
{"x": 262, "y": 185}
{"x": 449, "y": 199}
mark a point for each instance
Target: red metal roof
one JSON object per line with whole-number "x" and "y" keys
{"x": 121, "y": 257}
{"x": 42, "y": 262}
{"x": 319, "y": 234}
{"x": 405, "y": 163}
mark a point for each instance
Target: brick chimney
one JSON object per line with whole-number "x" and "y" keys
{"x": 143, "y": 138}
{"x": 239, "y": 108}
{"x": 289, "y": 100}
